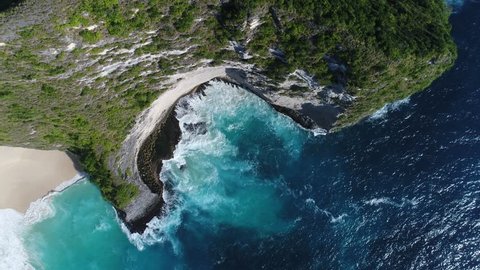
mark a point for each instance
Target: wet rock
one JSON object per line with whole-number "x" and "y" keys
{"x": 199, "y": 128}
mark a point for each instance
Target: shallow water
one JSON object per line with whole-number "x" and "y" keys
{"x": 249, "y": 189}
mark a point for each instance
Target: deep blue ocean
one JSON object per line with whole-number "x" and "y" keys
{"x": 250, "y": 189}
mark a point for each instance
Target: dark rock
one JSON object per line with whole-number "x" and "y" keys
{"x": 324, "y": 115}
{"x": 140, "y": 224}
{"x": 296, "y": 116}
{"x": 197, "y": 128}
{"x": 157, "y": 147}
{"x": 161, "y": 144}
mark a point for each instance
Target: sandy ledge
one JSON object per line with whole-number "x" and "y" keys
{"x": 27, "y": 175}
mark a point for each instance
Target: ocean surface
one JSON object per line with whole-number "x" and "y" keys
{"x": 249, "y": 189}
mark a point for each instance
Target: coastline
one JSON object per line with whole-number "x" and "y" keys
{"x": 148, "y": 202}
{"x": 157, "y": 132}
{"x": 14, "y": 224}
{"x": 27, "y": 175}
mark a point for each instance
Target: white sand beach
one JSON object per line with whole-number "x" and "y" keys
{"x": 27, "y": 175}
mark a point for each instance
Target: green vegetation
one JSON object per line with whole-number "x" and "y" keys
{"x": 120, "y": 19}
{"x": 90, "y": 36}
{"x": 48, "y": 90}
{"x": 119, "y": 194}
{"x": 381, "y": 43}
{"x": 5, "y": 93}
{"x": 51, "y": 96}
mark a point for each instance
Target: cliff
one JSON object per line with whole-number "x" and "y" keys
{"x": 83, "y": 75}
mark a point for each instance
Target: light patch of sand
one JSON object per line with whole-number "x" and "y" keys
{"x": 254, "y": 23}
{"x": 91, "y": 27}
{"x": 71, "y": 46}
{"x": 27, "y": 175}
{"x": 182, "y": 85}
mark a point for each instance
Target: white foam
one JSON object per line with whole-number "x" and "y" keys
{"x": 13, "y": 226}
{"x": 67, "y": 184}
{"x": 310, "y": 203}
{"x": 388, "y": 201}
{"x": 159, "y": 230}
{"x": 42, "y": 208}
{"x": 378, "y": 201}
{"x": 338, "y": 219}
{"x": 39, "y": 210}
{"x": 12, "y": 252}
{"x": 103, "y": 226}
{"x": 380, "y": 114}
{"x": 319, "y": 132}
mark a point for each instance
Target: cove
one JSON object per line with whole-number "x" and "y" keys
{"x": 248, "y": 188}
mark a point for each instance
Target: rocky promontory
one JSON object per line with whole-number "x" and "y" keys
{"x": 99, "y": 78}
{"x": 160, "y": 143}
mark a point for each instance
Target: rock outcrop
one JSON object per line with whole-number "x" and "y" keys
{"x": 160, "y": 144}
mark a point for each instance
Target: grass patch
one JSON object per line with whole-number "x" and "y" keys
{"x": 90, "y": 36}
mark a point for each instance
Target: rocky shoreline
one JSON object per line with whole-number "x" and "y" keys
{"x": 162, "y": 141}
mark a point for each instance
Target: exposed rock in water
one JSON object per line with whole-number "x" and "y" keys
{"x": 101, "y": 78}
{"x": 199, "y": 128}
{"x": 159, "y": 146}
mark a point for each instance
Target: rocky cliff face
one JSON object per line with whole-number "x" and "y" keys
{"x": 152, "y": 142}
{"x": 81, "y": 74}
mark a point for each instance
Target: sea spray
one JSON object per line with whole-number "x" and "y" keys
{"x": 42, "y": 208}
{"x": 159, "y": 230}
{"x": 16, "y": 226}
{"x": 215, "y": 179}
{"x": 12, "y": 252}
{"x": 387, "y": 108}
{"x": 212, "y": 180}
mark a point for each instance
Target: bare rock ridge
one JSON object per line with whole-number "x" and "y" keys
{"x": 157, "y": 147}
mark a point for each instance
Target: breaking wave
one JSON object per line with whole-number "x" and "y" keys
{"x": 212, "y": 179}
{"x": 12, "y": 252}
{"x": 15, "y": 227}
{"x": 387, "y": 108}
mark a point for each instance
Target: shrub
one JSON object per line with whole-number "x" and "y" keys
{"x": 48, "y": 91}
{"x": 90, "y": 36}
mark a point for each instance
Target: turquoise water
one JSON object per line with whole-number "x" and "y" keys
{"x": 84, "y": 234}
{"x": 213, "y": 181}
{"x": 249, "y": 189}
{"x": 214, "y": 176}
